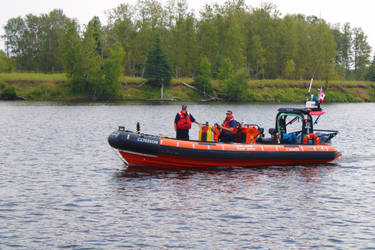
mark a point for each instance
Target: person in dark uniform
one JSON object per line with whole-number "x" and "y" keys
{"x": 182, "y": 123}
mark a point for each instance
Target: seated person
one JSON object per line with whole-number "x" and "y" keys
{"x": 228, "y": 128}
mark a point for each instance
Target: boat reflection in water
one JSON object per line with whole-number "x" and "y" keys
{"x": 244, "y": 182}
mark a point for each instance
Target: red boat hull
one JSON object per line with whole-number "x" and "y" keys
{"x": 134, "y": 159}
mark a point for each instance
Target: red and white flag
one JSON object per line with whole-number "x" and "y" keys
{"x": 322, "y": 95}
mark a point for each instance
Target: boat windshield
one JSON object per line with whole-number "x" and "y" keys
{"x": 289, "y": 123}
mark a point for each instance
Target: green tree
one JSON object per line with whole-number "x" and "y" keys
{"x": 302, "y": 58}
{"x": 344, "y": 41}
{"x": 289, "y": 70}
{"x": 361, "y": 50}
{"x": 264, "y": 22}
{"x": 258, "y": 39}
{"x": 237, "y": 86}
{"x": 91, "y": 75}
{"x": 208, "y": 33}
{"x": 149, "y": 22}
{"x": 112, "y": 71}
{"x": 157, "y": 69}
{"x": 328, "y": 52}
{"x": 256, "y": 57}
{"x": 203, "y": 77}
{"x": 34, "y": 41}
{"x": 288, "y": 40}
{"x": 222, "y": 30}
{"x": 217, "y": 65}
{"x": 92, "y": 60}
{"x": 121, "y": 28}
{"x": 232, "y": 32}
{"x": 182, "y": 39}
{"x": 225, "y": 70}
{"x": 6, "y": 64}
{"x": 73, "y": 58}
{"x": 94, "y": 30}
{"x": 50, "y": 32}
{"x": 17, "y": 44}
{"x": 371, "y": 71}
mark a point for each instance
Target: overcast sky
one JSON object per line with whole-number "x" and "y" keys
{"x": 358, "y": 13}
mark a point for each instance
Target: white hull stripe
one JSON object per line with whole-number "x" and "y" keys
{"x": 136, "y": 153}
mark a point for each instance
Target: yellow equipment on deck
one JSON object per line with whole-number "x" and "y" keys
{"x": 206, "y": 134}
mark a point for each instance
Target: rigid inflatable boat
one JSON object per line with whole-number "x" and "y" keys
{"x": 251, "y": 148}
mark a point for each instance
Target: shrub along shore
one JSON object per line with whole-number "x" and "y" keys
{"x": 56, "y": 87}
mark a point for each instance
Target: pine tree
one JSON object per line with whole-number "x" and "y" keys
{"x": 157, "y": 69}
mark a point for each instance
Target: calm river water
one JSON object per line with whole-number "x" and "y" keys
{"x": 62, "y": 186}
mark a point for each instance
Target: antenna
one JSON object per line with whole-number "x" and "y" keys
{"x": 317, "y": 66}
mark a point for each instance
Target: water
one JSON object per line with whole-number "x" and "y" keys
{"x": 62, "y": 186}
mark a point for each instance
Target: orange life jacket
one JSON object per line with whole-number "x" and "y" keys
{"x": 184, "y": 122}
{"x": 227, "y": 121}
{"x": 216, "y": 134}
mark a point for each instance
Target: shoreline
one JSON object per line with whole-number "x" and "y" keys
{"x": 56, "y": 88}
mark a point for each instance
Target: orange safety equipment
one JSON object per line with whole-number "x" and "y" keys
{"x": 227, "y": 121}
{"x": 248, "y": 134}
{"x": 312, "y": 136}
{"x": 216, "y": 132}
{"x": 185, "y": 121}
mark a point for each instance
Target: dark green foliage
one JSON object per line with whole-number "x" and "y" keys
{"x": 9, "y": 93}
{"x": 6, "y": 64}
{"x": 203, "y": 77}
{"x": 260, "y": 40}
{"x": 371, "y": 71}
{"x": 112, "y": 71}
{"x": 361, "y": 50}
{"x": 73, "y": 58}
{"x": 90, "y": 74}
{"x": 237, "y": 86}
{"x": 157, "y": 69}
{"x": 33, "y": 41}
{"x": 216, "y": 66}
{"x": 338, "y": 96}
{"x": 94, "y": 31}
{"x": 225, "y": 70}
{"x": 344, "y": 43}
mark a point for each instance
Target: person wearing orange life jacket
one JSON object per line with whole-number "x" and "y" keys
{"x": 228, "y": 128}
{"x": 182, "y": 123}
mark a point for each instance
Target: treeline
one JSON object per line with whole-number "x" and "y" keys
{"x": 258, "y": 41}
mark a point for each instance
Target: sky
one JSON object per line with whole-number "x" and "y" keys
{"x": 358, "y": 13}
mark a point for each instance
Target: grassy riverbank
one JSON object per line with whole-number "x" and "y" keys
{"x": 56, "y": 87}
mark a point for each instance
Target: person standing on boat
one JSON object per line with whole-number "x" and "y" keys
{"x": 228, "y": 128}
{"x": 182, "y": 123}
